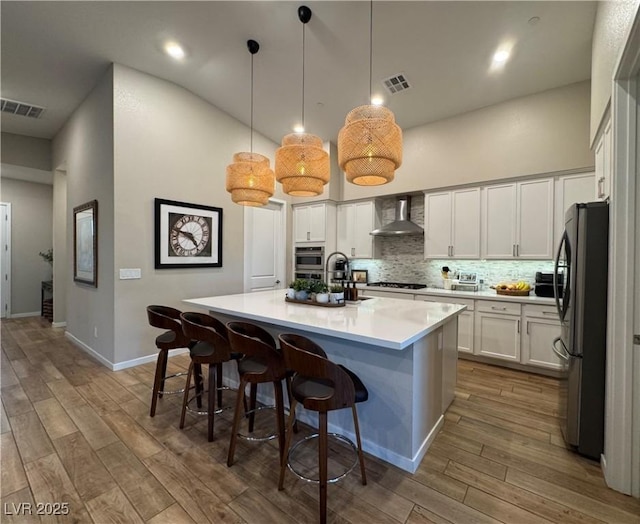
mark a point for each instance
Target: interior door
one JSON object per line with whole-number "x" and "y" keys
{"x": 265, "y": 247}
{"x": 5, "y": 259}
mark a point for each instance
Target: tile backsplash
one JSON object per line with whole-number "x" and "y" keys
{"x": 401, "y": 259}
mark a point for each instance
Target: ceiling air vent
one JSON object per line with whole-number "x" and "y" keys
{"x": 20, "y": 108}
{"x": 397, "y": 83}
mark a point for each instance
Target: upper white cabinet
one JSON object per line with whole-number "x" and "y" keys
{"x": 452, "y": 224}
{"x": 604, "y": 164}
{"x": 355, "y": 223}
{"x": 312, "y": 222}
{"x": 569, "y": 190}
{"x": 518, "y": 220}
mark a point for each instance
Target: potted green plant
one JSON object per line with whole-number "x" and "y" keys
{"x": 322, "y": 293}
{"x": 336, "y": 295}
{"x": 301, "y": 288}
{"x": 47, "y": 256}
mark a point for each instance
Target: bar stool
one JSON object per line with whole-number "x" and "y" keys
{"x": 168, "y": 318}
{"x": 211, "y": 348}
{"x": 262, "y": 363}
{"x": 320, "y": 385}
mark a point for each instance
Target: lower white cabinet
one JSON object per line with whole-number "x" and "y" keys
{"x": 540, "y": 327}
{"x": 465, "y": 320}
{"x": 497, "y": 330}
{"x": 387, "y": 294}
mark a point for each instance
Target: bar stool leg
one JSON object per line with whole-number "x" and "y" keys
{"x": 287, "y": 444}
{"x": 156, "y": 382}
{"x": 164, "y": 370}
{"x": 236, "y": 421}
{"x": 277, "y": 386}
{"x": 252, "y": 405}
{"x": 360, "y": 454}
{"x": 322, "y": 461}
{"x": 211, "y": 406}
{"x": 219, "y": 383}
{"x": 290, "y": 397}
{"x": 185, "y": 397}
{"x": 199, "y": 386}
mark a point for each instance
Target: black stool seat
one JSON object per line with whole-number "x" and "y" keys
{"x": 251, "y": 365}
{"x": 303, "y": 388}
{"x": 166, "y": 338}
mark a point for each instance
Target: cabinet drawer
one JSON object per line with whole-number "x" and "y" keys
{"x": 548, "y": 312}
{"x": 493, "y": 306}
{"x": 447, "y": 300}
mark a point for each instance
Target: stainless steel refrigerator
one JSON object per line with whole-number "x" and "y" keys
{"x": 581, "y": 299}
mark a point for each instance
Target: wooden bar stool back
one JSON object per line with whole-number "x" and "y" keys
{"x": 167, "y": 318}
{"x": 320, "y": 385}
{"x": 211, "y": 348}
{"x": 262, "y": 363}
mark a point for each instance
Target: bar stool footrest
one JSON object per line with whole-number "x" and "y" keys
{"x": 197, "y": 411}
{"x": 265, "y": 438}
{"x": 335, "y": 436}
{"x": 175, "y": 391}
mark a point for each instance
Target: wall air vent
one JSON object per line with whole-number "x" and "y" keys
{"x": 397, "y": 83}
{"x": 20, "y": 108}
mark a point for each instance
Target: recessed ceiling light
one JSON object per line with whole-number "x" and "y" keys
{"x": 298, "y": 129}
{"x": 377, "y": 100}
{"x": 174, "y": 50}
{"x": 534, "y": 20}
{"x": 500, "y": 57}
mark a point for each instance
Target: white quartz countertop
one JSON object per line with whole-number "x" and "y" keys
{"x": 489, "y": 294}
{"x": 384, "y": 322}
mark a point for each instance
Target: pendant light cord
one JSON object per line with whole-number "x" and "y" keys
{"x": 251, "y": 147}
{"x": 370, "y": 50}
{"x": 303, "y": 53}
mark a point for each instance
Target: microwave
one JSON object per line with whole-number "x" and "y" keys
{"x": 309, "y": 258}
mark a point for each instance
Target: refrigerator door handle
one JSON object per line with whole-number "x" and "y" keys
{"x": 561, "y": 308}
{"x": 561, "y": 354}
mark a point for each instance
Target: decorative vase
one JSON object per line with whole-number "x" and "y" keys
{"x": 291, "y": 293}
{"x": 336, "y": 298}
{"x": 322, "y": 298}
{"x": 301, "y": 295}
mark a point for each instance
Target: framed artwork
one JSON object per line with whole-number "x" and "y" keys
{"x": 85, "y": 243}
{"x": 187, "y": 235}
{"x": 361, "y": 276}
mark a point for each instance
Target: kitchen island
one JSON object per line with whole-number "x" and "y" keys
{"x": 404, "y": 352}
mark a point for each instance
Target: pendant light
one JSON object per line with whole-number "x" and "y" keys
{"x": 249, "y": 178}
{"x": 302, "y": 165}
{"x": 370, "y": 143}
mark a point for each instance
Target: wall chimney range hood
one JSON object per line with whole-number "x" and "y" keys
{"x": 402, "y": 225}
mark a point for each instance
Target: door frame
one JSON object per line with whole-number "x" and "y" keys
{"x": 621, "y": 459}
{"x": 6, "y": 284}
{"x": 281, "y": 250}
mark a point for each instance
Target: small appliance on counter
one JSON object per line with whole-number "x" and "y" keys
{"x": 544, "y": 284}
{"x": 340, "y": 268}
{"x": 465, "y": 282}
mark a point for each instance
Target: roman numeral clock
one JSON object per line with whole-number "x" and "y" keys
{"x": 187, "y": 235}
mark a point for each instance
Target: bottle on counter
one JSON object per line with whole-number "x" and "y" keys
{"x": 354, "y": 292}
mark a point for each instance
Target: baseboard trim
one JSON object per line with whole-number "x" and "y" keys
{"x": 120, "y": 365}
{"x": 511, "y": 365}
{"x": 24, "y": 315}
{"x": 58, "y": 324}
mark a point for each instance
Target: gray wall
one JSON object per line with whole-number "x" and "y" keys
{"x": 31, "y": 211}
{"x": 611, "y": 28}
{"x": 542, "y": 133}
{"x": 61, "y": 259}
{"x": 85, "y": 148}
{"x": 26, "y": 151}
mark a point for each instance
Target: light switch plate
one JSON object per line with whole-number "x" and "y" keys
{"x": 128, "y": 274}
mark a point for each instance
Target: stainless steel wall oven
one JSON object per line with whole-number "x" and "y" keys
{"x": 309, "y": 258}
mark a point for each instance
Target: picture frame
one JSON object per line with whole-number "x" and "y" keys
{"x": 187, "y": 235}
{"x": 360, "y": 276}
{"x": 85, "y": 243}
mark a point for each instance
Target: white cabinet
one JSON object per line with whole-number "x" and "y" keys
{"x": 497, "y": 330}
{"x": 541, "y": 327}
{"x": 311, "y": 222}
{"x": 604, "y": 164}
{"x": 518, "y": 220}
{"x": 465, "y": 319}
{"x": 386, "y": 294}
{"x": 570, "y": 189}
{"x": 355, "y": 223}
{"x": 452, "y": 224}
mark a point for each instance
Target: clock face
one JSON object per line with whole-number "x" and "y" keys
{"x": 189, "y": 236}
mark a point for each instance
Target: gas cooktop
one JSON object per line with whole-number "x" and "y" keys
{"x": 400, "y": 285}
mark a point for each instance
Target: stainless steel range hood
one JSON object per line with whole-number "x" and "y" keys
{"x": 402, "y": 225}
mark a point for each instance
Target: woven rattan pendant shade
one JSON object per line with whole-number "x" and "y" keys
{"x": 250, "y": 180}
{"x": 302, "y": 166}
{"x": 370, "y": 146}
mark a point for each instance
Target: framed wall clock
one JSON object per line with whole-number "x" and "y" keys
{"x": 187, "y": 235}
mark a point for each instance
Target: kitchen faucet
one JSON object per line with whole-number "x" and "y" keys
{"x": 346, "y": 265}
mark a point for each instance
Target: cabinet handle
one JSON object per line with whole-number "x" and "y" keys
{"x": 527, "y": 327}
{"x": 452, "y": 251}
{"x": 513, "y": 250}
{"x": 308, "y": 235}
{"x": 498, "y": 308}
{"x": 518, "y": 326}
{"x": 517, "y": 250}
{"x": 353, "y": 251}
{"x": 554, "y": 313}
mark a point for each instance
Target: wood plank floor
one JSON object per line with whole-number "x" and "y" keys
{"x": 73, "y": 432}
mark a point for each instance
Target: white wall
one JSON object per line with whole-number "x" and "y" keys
{"x": 31, "y": 211}
{"x": 542, "y": 133}
{"x": 84, "y": 147}
{"x": 60, "y": 243}
{"x": 173, "y": 145}
{"x": 26, "y": 151}
{"x": 610, "y": 33}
